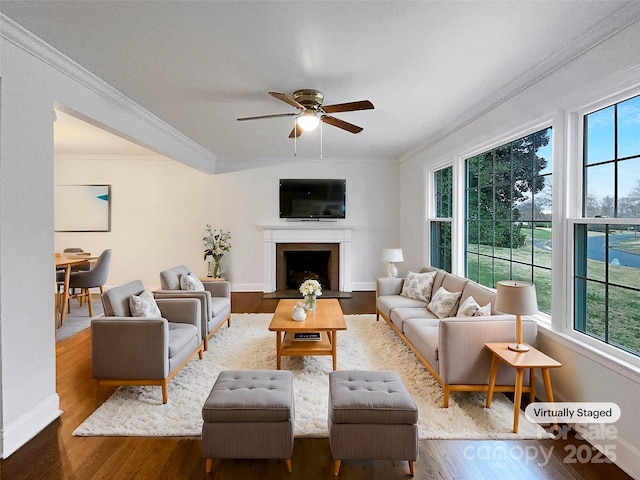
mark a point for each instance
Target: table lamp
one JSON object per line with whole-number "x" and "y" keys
{"x": 517, "y": 298}
{"x": 392, "y": 255}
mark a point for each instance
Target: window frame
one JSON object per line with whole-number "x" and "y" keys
{"x": 431, "y": 209}
{"x": 576, "y": 197}
{"x": 534, "y": 127}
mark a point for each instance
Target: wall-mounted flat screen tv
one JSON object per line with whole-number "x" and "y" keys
{"x": 312, "y": 198}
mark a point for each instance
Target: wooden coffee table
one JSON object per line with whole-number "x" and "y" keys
{"x": 327, "y": 319}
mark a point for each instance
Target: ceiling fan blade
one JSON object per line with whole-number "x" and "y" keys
{"x": 296, "y": 131}
{"x": 286, "y": 99}
{"x": 348, "y": 107}
{"x": 267, "y": 116}
{"x": 336, "y": 122}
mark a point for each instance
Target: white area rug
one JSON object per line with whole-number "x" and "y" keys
{"x": 365, "y": 345}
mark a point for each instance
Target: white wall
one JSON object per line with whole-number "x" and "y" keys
{"x": 251, "y": 200}
{"x": 608, "y": 69}
{"x": 159, "y": 208}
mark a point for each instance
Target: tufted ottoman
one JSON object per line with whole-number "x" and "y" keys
{"x": 371, "y": 417}
{"x": 249, "y": 414}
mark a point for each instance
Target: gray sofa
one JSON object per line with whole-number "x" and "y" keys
{"x": 452, "y": 348}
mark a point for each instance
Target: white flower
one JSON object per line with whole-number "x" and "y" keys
{"x": 216, "y": 244}
{"x": 311, "y": 287}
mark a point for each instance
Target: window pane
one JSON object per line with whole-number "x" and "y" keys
{"x": 501, "y": 271}
{"x": 485, "y": 271}
{"x": 472, "y": 267}
{"x": 542, "y": 245}
{"x": 629, "y": 188}
{"x": 624, "y": 255}
{"x": 595, "y": 322}
{"x": 542, "y": 281}
{"x": 502, "y": 164}
{"x": 629, "y": 128}
{"x": 624, "y": 318}
{"x": 441, "y": 245}
{"x": 542, "y": 199}
{"x": 472, "y": 172}
{"x": 473, "y": 204}
{"x": 599, "y": 135}
{"x": 443, "y": 186}
{"x": 601, "y": 191}
{"x": 542, "y": 163}
{"x": 596, "y": 252}
{"x": 521, "y": 272}
{"x": 485, "y": 169}
{"x": 472, "y": 236}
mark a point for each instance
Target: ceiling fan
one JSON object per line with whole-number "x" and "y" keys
{"x": 311, "y": 111}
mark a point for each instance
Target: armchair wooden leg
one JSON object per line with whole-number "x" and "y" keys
{"x": 446, "y": 396}
{"x": 229, "y": 321}
{"x": 289, "y": 466}
{"x": 336, "y": 468}
{"x": 411, "y": 472}
{"x": 207, "y": 465}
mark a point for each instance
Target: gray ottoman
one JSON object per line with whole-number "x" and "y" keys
{"x": 371, "y": 417}
{"x": 249, "y": 414}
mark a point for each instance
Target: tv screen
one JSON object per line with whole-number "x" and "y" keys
{"x": 312, "y": 198}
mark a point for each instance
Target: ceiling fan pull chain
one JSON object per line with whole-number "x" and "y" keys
{"x": 321, "y": 139}
{"x": 295, "y": 139}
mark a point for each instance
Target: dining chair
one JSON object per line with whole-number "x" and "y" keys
{"x": 76, "y": 268}
{"x": 96, "y": 277}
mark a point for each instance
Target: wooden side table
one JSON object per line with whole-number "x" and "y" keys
{"x": 520, "y": 360}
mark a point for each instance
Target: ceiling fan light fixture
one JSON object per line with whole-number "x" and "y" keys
{"x": 308, "y": 121}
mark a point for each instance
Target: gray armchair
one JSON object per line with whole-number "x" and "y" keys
{"x": 127, "y": 350}
{"x": 215, "y": 300}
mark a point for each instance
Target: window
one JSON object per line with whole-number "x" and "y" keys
{"x": 508, "y": 214}
{"x": 441, "y": 225}
{"x": 607, "y": 238}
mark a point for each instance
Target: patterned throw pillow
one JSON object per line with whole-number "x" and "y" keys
{"x": 442, "y": 303}
{"x": 144, "y": 305}
{"x": 470, "y": 308}
{"x": 418, "y": 285}
{"x": 191, "y": 282}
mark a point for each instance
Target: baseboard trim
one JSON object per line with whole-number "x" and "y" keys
{"x": 29, "y": 425}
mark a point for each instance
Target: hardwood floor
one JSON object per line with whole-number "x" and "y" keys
{"x": 56, "y": 454}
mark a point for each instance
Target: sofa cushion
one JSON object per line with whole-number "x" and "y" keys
{"x": 443, "y": 302}
{"x": 386, "y": 304}
{"x": 400, "y": 315}
{"x": 471, "y": 308}
{"x": 423, "y": 335}
{"x": 418, "y": 285}
{"x": 144, "y": 305}
{"x": 180, "y": 334}
{"x": 219, "y": 305}
{"x": 190, "y": 282}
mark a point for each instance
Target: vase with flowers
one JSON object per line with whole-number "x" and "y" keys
{"x": 310, "y": 290}
{"x": 216, "y": 244}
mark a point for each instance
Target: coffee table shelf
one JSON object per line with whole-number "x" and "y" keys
{"x": 327, "y": 319}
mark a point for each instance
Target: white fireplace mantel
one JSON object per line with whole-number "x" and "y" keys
{"x": 306, "y": 233}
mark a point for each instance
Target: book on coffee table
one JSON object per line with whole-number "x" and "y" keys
{"x": 307, "y": 336}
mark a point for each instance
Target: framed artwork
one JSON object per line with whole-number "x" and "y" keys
{"x": 82, "y": 208}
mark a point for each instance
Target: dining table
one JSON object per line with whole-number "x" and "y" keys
{"x": 66, "y": 261}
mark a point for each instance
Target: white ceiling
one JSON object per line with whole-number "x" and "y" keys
{"x": 427, "y": 66}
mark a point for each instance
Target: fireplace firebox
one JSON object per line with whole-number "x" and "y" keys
{"x": 297, "y": 262}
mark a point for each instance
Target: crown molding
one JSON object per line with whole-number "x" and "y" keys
{"x": 621, "y": 19}
{"x": 106, "y": 156}
{"x": 38, "y": 48}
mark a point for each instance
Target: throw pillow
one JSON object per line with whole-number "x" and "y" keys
{"x": 144, "y": 305}
{"x": 442, "y": 303}
{"x": 470, "y": 308}
{"x": 418, "y": 285}
{"x": 191, "y": 282}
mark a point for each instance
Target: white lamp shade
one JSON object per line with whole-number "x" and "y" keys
{"x": 516, "y": 297}
{"x": 392, "y": 255}
{"x": 308, "y": 121}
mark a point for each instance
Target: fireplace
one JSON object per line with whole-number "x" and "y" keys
{"x": 297, "y": 262}
{"x": 311, "y": 236}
